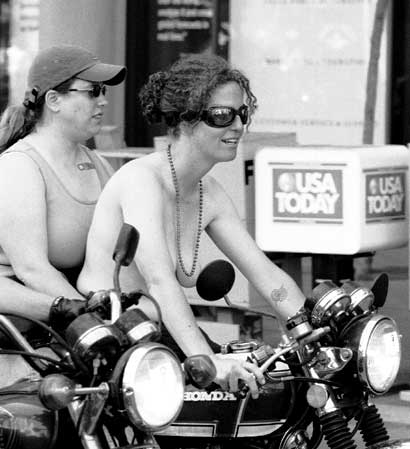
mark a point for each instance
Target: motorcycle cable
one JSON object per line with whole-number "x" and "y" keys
{"x": 35, "y": 355}
{"x": 303, "y": 379}
{"x": 297, "y": 364}
{"x": 77, "y": 361}
{"x": 156, "y": 305}
{"x": 359, "y": 421}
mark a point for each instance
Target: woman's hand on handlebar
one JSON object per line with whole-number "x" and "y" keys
{"x": 231, "y": 373}
{"x": 99, "y": 301}
{"x": 63, "y": 311}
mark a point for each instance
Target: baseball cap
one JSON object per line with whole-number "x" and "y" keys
{"x": 55, "y": 65}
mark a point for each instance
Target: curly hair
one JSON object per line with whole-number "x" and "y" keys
{"x": 188, "y": 86}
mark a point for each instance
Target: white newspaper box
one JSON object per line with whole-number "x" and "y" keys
{"x": 331, "y": 200}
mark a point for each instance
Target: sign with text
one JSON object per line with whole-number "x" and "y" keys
{"x": 307, "y": 62}
{"x": 353, "y": 200}
{"x": 385, "y": 195}
{"x": 184, "y": 26}
{"x": 307, "y": 194}
{"x": 158, "y": 33}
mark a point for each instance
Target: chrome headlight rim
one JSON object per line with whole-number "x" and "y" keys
{"x": 321, "y": 311}
{"x": 369, "y": 326}
{"x": 134, "y": 358}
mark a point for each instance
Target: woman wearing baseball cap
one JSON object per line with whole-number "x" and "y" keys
{"x": 50, "y": 181}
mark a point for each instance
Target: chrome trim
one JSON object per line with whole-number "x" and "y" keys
{"x": 91, "y": 336}
{"x": 93, "y": 407}
{"x": 128, "y": 378}
{"x": 205, "y": 429}
{"x": 243, "y": 346}
{"x": 115, "y": 305}
{"x": 294, "y": 439}
{"x": 88, "y": 441}
{"x": 334, "y": 358}
{"x": 323, "y": 304}
{"x": 359, "y": 296}
{"x": 208, "y": 429}
{"x": 362, "y": 357}
{"x": 142, "y": 330}
{"x": 257, "y": 429}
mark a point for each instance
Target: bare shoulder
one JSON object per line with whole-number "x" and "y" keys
{"x": 18, "y": 166}
{"x": 17, "y": 159}
{"x": 139, "y": 175}
{"x": 214, "y": 190}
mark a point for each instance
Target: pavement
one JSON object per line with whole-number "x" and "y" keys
{"x": 395, "y": 412}
{"x": 394, "y": 408}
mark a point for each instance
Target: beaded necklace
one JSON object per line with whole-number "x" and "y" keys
{"x": 178, "y": 219}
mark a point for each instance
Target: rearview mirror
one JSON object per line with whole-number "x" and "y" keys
{"x": 380, "y": 289}
{"x": 215, "y": 280}
{"x": 126, "y": 245}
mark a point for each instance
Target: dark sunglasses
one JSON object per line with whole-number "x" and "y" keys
{"x": 94, "y": 92}
{"x": 222, "y": 116}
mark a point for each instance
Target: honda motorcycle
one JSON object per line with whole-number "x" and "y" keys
{"x": 333, "y": 358}
{"x": 106, "y": 383}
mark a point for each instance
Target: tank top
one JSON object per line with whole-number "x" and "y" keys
{"x": 68, "y": 218}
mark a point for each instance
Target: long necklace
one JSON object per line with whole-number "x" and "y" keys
{"x": 178, "y": 219}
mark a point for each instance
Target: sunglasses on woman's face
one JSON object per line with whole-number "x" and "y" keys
{"x": 222, "y": 116}
{"x": 94, "y": 92}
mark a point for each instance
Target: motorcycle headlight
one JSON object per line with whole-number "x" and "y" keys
{"x": 152, "y": 387}
{"x": 378, "y": 349}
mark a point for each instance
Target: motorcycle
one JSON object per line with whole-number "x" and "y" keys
{"x": 106, "y": 383}
{"x": 320, "y": 379}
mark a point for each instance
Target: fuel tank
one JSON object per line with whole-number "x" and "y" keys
{"x": 24, "y": 422}
{"x": 221, "y": 414}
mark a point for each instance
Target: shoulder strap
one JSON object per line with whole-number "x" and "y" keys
{"x": 24, "y": 148}
{"x": 102, "y": 171}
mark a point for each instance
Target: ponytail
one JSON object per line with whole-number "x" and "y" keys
{"x": 18, "y": 121}
{"x": 15, "y": 123}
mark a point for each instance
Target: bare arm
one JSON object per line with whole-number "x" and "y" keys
{"x": 23, "y": 228}
{"x": 230, "y": 235}
{"x": 146, "y": 213}
{"x": 143, "y": 204}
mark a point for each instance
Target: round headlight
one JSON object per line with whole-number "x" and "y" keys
{"x": 378, "y": 352}
{"x": 152, "y": 386}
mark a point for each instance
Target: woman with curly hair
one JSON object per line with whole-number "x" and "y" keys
{"x": 171, "y": 198}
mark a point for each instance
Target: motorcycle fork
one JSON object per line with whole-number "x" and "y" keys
{"x": 333, "y": 422}
{"x": 89, "y": 441}
{"x": 371, "y": 425}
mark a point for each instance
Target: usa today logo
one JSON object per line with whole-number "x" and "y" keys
{"x": 385, "y": 196}
{"x": 307, "y": 194}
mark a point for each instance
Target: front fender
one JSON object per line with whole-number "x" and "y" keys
{"x": 392, "y": 444}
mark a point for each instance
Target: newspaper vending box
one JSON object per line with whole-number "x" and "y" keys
{"x": 331, "y": 200}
